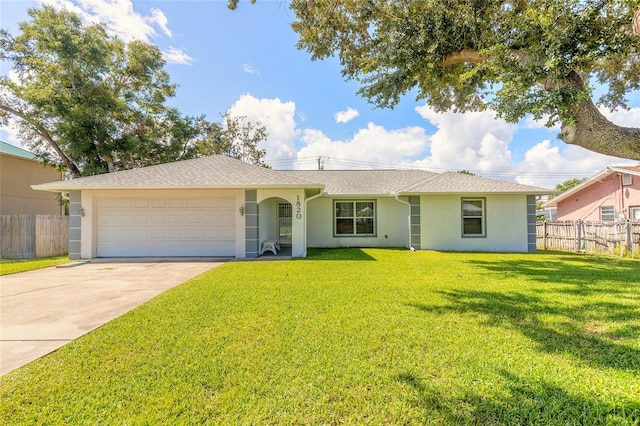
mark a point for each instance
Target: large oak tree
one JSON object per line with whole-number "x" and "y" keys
{"x": 517, "y": 57}
{"x": 97, "y": 104}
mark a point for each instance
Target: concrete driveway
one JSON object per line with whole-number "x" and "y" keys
{"x": 44, "y": 309}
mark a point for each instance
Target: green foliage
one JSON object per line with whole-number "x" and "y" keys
{"x": 99, "y": 104}
{"x": 358, "y": 336}
{"x": 515, "y": 57}
{"x": 12, "y": 266}
{"x": 568, "y": 184}
{"x": 235, "y": 137}
{"x": 511, "y": 48}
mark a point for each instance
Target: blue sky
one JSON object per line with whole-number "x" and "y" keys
{"x": 246, "y": 62}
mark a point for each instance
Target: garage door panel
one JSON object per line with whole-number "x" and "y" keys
{"x": 166, "y": 227}
{"x": 175, "y": 204}
{"x": 227, "y": 234}
{"x": 193, "y": 203}
{"x": 157, "y": 218}
{"x": 225, "y": 220}
{"x": 123, "y": 204}
{"x": 192, "y": 220}
{"x": 175, "y": 219}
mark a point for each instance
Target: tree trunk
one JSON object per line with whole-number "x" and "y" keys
{"x": 107, "y": 156}
{"x": 594, "y": 132}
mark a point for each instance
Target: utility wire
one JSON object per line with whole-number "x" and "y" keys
{"x": 346, "y": 164}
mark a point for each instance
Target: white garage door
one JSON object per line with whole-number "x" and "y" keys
{"x": 139, "y": 227}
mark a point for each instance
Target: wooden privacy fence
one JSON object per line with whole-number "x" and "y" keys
{"x": 29, "y": 236}
{"x": 590, "y": 237}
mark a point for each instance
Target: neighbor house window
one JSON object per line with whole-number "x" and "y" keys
{"x": 635, "y": 214}
{"x": 473, "y": 217}
{"x": 607, "y": 214}
{"x": 627, "y": 179}
{"x": 355, "y": 218}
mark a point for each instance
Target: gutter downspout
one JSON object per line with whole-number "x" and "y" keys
{"x": 408, "y": 216}
{"x": 306, "y": 216}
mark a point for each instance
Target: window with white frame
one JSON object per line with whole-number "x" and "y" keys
{"x": 607, "y": 214}
{"x": 635, "y": 213}
{"x": 627, "y": 179}
{"x": 354, "y": 218}
{"x": 473, "y": 217}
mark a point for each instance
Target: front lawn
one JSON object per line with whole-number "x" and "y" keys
{"x": 366, "y": 336}
{"x": 12, "y": 266}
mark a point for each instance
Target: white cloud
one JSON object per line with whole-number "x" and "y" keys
{"x": 373, "y": 144}
{"x": 250, "y": 70}
{"x": 346, "y": 116}
{"x": 546, "y": 165}
{"x": 277, "y": 117}
{"x": 530, "y": 123}
{"x": 9, "y": 133}
{"x": 159, "y": 18}
{"x": 176, "y": 56}
{"x": 118, "y": 17}
{"x": 121, "y": 20}
{"x": 472, "y": 141}
{"x": 622, "y": 117}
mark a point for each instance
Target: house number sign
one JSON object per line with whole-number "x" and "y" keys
{"x": 298, "y": 208}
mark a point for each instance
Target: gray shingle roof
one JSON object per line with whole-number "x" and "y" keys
{"x": 460, "y": 183}
{"x": 217, "y": 171}
{"x": 363, "y": 182}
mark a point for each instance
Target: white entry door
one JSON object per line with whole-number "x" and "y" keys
{"x": 141, "y": 227}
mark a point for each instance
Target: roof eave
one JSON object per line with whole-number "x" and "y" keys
{"x": 626, "y": 171}
{"x": 60, "y": 188}
{"x": 358, "y": 195}
{"x": 547, "y": 192}
{"x": 587, "y": 183}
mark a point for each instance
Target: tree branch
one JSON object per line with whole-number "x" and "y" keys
{"x": 593, "y": 131}
{"x": 588, "y": 128}
{"x": 463, "y": 56}
{"x": 45, "y": 135}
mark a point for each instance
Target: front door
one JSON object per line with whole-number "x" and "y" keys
{"x": 284, "y": 222}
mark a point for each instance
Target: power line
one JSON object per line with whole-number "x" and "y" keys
{"x": 346, "y": 164}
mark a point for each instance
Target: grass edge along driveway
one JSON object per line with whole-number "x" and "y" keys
{"x": 13, "y": 266}
{"x": 367, "y": 336}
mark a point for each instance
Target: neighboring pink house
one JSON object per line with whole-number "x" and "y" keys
{"x": 611, "y": 195}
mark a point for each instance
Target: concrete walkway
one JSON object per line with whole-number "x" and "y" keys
{"x": 42, "y": 310}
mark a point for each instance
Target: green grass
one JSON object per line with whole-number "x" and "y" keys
{"x": 11, "y": 266}
{"x": 366, "y": 336}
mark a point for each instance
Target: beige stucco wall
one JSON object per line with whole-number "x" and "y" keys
{"x": 506, "y": 224}
{"x": 16, "y": 177}
{"x": 391, "y": 224}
